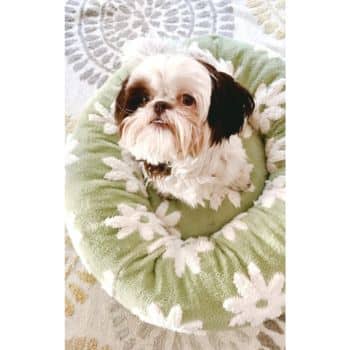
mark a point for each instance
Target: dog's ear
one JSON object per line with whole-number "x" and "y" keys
{"x": 230, "y": 104}
{"x": 120, "y": 105}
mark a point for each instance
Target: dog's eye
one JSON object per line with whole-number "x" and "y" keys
{"x": 138, "y": 100}
{"x": 144, "y": 99}
{"x": 187, "y": 100}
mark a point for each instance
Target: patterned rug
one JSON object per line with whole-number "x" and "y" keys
{"x": 94, "y": 33}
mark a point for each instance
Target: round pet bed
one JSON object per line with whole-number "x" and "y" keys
{"x": 181, "y": 268}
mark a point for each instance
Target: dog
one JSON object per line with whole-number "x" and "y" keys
{"x": 180, "y": 118}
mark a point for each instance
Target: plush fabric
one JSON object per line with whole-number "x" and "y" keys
{"x": 177, "y": 267}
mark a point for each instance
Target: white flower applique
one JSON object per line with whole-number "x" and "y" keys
{"x": 185, "y": 253}
{"x": 229, "y": 230}
{"x": 257, "y": 300}
{"x": 169, "y": 220}
{"x": 275, "y": 152}
{"x": 105, "y": 117}
{"x": 71, "y": 144}
{"x": 269, "y": 101}
{"x": 124, "y": 170}
{"x": 273, "y": 190}
{"x": 136, "y": 219}
{"x": 173, "y": 321}
{"x": 219, "y": 63}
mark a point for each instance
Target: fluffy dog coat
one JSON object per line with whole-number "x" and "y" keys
{"x": 180, "y": 117}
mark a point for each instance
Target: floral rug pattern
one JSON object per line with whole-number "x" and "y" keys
{"x": 103, "y": 27}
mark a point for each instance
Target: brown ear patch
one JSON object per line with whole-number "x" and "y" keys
{"x": 130, "y": 98}
{"x": 230, "y": 104}
{"x": 120, "y": 108}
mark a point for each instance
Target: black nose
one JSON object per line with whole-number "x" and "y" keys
{"x": 161, "y": 106}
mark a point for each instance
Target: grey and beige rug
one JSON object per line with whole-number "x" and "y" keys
{"x": 95, "y": 31}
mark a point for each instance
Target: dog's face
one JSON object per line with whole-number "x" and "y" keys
{"x": 174, "y": 106}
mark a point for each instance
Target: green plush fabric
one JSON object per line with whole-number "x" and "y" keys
{"x": 186, "y": 269}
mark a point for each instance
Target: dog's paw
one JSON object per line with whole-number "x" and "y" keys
{"x": 242, "y": 187}
{"x": 243, "y": 182}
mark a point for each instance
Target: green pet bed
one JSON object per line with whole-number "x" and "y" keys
{"x": 181, "y": 268}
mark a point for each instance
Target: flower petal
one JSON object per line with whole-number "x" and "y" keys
{"x": 276, "y": 283}
{"x": 256, "y": 277}
{"x": 109, "y": 128}
{"x": 175, "y": 316}
{"x": 125, "y": 232}
{"x": 162, "y": 209}
{"x": 243, "y": 285}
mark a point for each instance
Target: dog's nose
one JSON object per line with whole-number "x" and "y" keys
{"x": 161, "y": 106}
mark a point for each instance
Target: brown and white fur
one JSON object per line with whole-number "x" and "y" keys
{"x": 180, "y": 118}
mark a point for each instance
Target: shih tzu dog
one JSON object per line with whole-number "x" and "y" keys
{"x": 180, "y": 118}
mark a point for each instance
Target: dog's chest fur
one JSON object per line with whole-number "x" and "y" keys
{"x": 216, "y": 170}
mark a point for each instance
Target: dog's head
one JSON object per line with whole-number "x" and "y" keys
{"x": 174, "y": 106}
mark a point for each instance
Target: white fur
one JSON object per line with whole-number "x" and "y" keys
{"x": 162, "y": 72}
{"x": 218, "y": 170}
{"x": 135, "y": 51}
{"x": 214, "y": 171}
